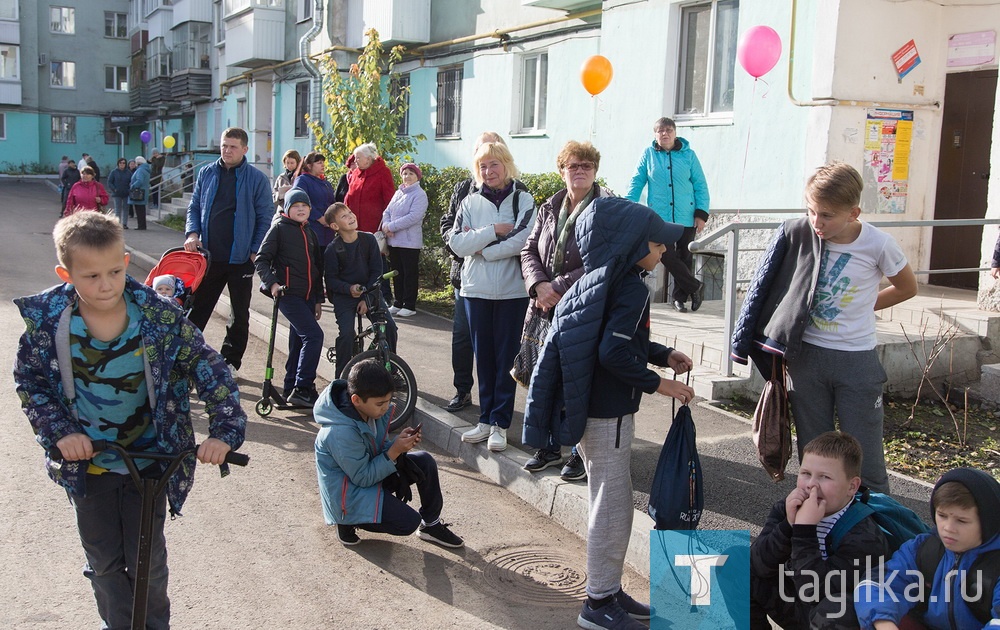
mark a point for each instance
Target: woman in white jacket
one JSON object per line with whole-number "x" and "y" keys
{"x": 492, "y": 225}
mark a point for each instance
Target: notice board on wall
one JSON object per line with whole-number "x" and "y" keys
{"x": 886, "y": 172}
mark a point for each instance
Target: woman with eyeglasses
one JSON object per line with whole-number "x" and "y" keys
{"x": 118, "y": 182}
{"x": 551, "y": 263}
{"x": 492, "y": 225}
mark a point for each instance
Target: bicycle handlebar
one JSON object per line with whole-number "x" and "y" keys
{"x": 384, "y": 276}
{"x": 232, "y": 457}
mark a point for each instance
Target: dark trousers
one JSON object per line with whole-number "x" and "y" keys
{"x": 239, "y": 280}
{"x": 386, "y": 286}
{"x": 677, "y": 260}
{"x": 461, "y": 347}
{"x": 406, "y": 261}
{"x": 305, "y": 341}
{"x": 140, "y": 215}
{"x": 345, "y": 309}
{"x": 398, "y": 518}
{"x": 108, "y": 521}
{"x": 496, "y": 338}
{"x": 154, "y": 192}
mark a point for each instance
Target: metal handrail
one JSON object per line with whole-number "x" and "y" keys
{"x": 732, "y": 252}
{"x": 173, "y": 177}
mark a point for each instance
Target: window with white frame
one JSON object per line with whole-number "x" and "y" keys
{"x": 220, "y": 23}
{"x": 62, "y": 74}
{"x": 305, "y": 9}
{"x": 9, "y": 62}
{"x": 707, "y": 58}
{"x": 62, "y": 20}
{"x": 534, "y": 73}
{"x": 64, "y": 129}
{"x": 449, "y": 103}
{"x": 399, "y": 92}
{"x": 115, "y": 25}
{"x": 111, "y": 133}
{"x": 8, "y": 10}
{"x": 301, "y": 109}
{"x": 3, "y": 125}
{"x": 116, "y": 78}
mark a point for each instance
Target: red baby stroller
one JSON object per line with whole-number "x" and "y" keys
{"x": 188, "y": 267}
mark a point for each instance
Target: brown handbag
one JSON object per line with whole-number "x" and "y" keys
{"x": 772, "y": 424}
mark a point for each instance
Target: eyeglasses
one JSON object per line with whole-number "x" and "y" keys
{"x": 585, "y": 167}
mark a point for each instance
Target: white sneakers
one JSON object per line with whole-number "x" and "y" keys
{"x": 405, "y": 312}
{"x": 498, "y": 439}
{"x": 479, "y": 434}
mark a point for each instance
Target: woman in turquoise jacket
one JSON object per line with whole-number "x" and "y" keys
{"x": 678, "y": 192}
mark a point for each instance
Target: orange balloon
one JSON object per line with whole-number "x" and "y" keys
{"x": 595, "y": 74}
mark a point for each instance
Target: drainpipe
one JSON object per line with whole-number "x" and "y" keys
{"x": 315, "y": 83}
{"x": 121, "y": 152}
{"x": 831, "y": 101}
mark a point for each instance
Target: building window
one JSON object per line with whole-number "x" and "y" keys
{"x": 301, "y": 109}
{"x": 116, "y": 78}
{"x": 8, "y": 10}
{"x": 220, "y": 24}
{"x": 64, "y": 129}
{"x": 9, "y": 68}
{"x": 115, "y": 25}
{"x": 3, "y": 126}
{"x": 534, "y": 91}
{"x": 62, "y": 74}
{"x": 62, "y": 20}
{"x": 449, "y": 103}
{"x": 305, "y": 9}
{"x": 707, "y": 58}
{"x": 111, "y": 133}
{"x": 399, "y": 97}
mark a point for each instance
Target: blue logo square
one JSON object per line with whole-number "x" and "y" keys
{"x": 700, "y": 579}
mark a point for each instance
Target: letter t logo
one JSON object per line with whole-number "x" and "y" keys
{"x": 701, "y": 575}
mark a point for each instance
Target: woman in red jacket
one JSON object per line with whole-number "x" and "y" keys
{"x": 86, "y": 194}
{"x": 370, "y": 188}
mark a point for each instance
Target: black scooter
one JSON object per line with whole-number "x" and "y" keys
{"x": 270, "y": 397}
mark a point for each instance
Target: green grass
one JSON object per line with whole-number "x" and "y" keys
{"x": 440, "y": 302}
{"x": 174, "y": 222}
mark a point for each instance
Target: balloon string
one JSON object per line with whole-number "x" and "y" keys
{"x": 746, "y": 151}
{"x": 764, "y": 95}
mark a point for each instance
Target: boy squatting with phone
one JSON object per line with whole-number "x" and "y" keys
{"x": 357, "y": 462}
{"x": 105, "y": 357}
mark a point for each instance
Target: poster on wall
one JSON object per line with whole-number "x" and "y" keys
{"x": 888, "y": 135}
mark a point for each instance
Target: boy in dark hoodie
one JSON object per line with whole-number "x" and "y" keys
{"x": 965, "y": 505}
{"x": 290, "y": 266}
{"x": 357, "y": 460}
{"x": 589, "y": 402}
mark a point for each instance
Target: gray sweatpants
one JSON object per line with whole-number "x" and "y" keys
{"x": 606, "y": 449}
{"x": 824, "y": 383}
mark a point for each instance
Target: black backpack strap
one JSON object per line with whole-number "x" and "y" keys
{"x": 989, "y": 564}
{"x": 928, "y": 558}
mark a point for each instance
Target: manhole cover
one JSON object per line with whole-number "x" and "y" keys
{"x": 538, "y": 575}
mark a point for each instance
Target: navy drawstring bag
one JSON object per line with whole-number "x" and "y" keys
{"x": 677, "y": 498}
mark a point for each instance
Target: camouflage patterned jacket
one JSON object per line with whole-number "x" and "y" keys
{"x": 174, "y": 352}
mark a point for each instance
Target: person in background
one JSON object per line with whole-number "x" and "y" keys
{"x": 677, "y": 191}
{"x": 69, "y": 177}
{"x": 119, "y": 181}
{"x": 97, "y": 169}
{"x": 139, "y": 181}
{"x": 551, "y": 263}
{"x": 63, "y": 164}
{"x": 291, "y": 161}
{"x": 320, "y": 192}
{"x": 492, "y": 226}
{"x": 401, "y": 223}
{"x": 132, "y": 167}
{"x": 86, "y": 194}
{"x": 370, "y": 187}
{"x": 156, "y": 163}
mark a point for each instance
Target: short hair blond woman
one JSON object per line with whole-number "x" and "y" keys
{"x": 367, "y": 149}
{"x": 836, "y": 183}
{"x": 582, "y": 151}
{"x": 498, "y": 152}
{"x": 93, "y": 230}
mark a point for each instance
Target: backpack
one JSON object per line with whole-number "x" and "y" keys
{"x": 898, "y": 522}
{"x": 929, "y": 556}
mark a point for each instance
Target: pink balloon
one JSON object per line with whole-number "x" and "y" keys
{"x": 758, "y": 50}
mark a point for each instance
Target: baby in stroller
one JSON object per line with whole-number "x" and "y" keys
{"x": 170, "y": 287}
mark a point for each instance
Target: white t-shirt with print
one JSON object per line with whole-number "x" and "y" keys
{"x": 842, "y": 315}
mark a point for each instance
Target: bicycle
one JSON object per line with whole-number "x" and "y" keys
{"x": 371, "y": 342}
{"x": 149, "y": 488}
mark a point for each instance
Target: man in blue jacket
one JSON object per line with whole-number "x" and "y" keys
{"x": 229, "y": 215}
{"x": 678, "y": 192}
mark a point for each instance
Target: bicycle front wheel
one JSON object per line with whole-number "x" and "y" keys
{"x": 405, "y": 394}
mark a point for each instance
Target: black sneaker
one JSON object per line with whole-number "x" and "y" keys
{"x": 347, "y": 535}
{"x": 574, "y": 469}
{"x": 459, "y": 402}
{"x": 635, "y": 610}
{"x": 610, "y": 615}
{"x": 303, "y": 397}
{"x": 543, "y": 459}
{"x": 441, "y": 535}
{"x": 697, "y": 298}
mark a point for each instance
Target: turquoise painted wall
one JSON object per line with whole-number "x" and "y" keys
{"x": 21, "y": 142}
